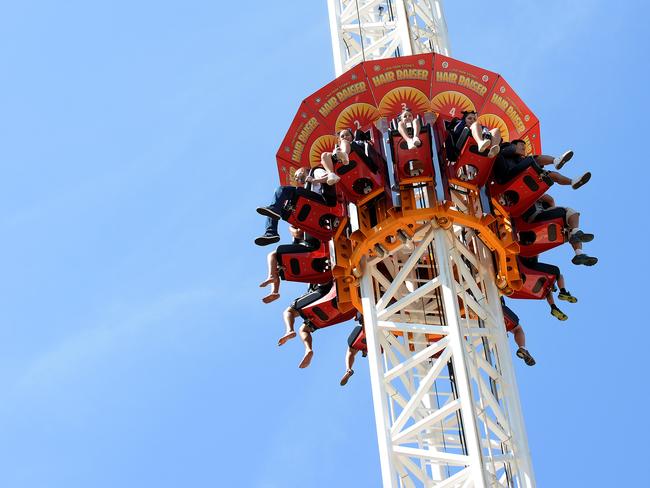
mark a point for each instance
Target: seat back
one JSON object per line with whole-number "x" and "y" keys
{"x": 314, "y": 217}
{"x": 361, "y": 178}
{"x": 536, "y": 284}
{"x": 308, "y": 266}
{"x": 538, "y": 237}
{"x": 518, "y": 194}
{"x": 411, "y": 165}
{"x": 357, "y": 339}
{"x": 324, "y": 312}
{"x": 471, "y": 166}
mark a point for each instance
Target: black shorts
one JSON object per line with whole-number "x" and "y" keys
{"x": 550, "y": 214}
{"x": 311, "y": 296}
{"x": 543, "y": 267}
{"x": 293, "y": 249}
{"x": 354, "y": 335}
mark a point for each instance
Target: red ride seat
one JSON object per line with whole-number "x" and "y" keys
{"x": 536, "y": 284}
{"x": 306, "y": 267}
{"x": 412, "y": 165}
{"x": 357, "y": 339}
{"x": 361, "y": 178}
{"x": 537, "y": 237}
{"x": 471, "y": 166}
{"x": 324, "y": 312}
{"x": 518, "y": 194}
{"x": 314, "y": 217}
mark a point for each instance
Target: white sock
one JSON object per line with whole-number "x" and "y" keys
{"x": 556, "y": 161}
{"x": 578, "y": 251}
{"x": 573, "y": 231}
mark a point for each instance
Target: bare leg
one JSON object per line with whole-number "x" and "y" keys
{"x": 349, "y": 361}
{"x": 345, "y": 146}
{"x": 403, "y": 130}
{"x": 560, "y": 282}
{"x": 305, "y": 335}
{"x": 326, "y": 161}
{"x": 289, "y": 317}
{"x": 520, "y": 336}
{"x": 417, "y": 127}
{"x": 544, "y": 160}
{"x": 573, "y": 223}
{"x": 272, "y": 263}
{"x": 477, "y": 133}
{"x": 559, "y": 179}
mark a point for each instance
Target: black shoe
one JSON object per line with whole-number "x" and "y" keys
{"x": 584, "y": 259}
{"x": 268, "y": 212}
{"x": 583, "y": 179}
{"x": 558, "y": 314}
{"x": 564, "y": 159}
{"x": 567, "y": 297}
{"x": 267, "y": 239}
{"x": 525, "y": 355}
{"x": 579, "y": 236}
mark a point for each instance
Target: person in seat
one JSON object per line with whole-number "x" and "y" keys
{"x": 302, "y": 242}
{"x": 544, "y": 209}
{"x": 512, "y": 161}
{"x": 314, "y": 293}
{"x": 409, "y": 128}
{"x": 314, "y": 188}
{"x": 518, "y": 332}
{"x": 339, "y": 154}
{"x": 351, "y": 351}
{"x": 484, "y": 136}
{"x": 564, "y": 294}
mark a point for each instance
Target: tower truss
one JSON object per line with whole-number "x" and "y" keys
{"x": 377, "y": 29}
{"x": 445, "y": 396}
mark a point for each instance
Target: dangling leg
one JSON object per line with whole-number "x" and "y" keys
{"x": 349, "y": 361}
{"x": 305, "y": 335}
{"x": 289, "y": 316}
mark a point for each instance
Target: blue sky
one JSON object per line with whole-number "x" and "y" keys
{"x": 136, "y": 140}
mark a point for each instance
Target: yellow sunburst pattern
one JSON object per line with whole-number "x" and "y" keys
{"x": 451, "y": 103}
{"x": 322, "y": 144}
{"x": 356, "y": 116}
{"x": 397, "y": 99}
{"x": 492, "y": 121}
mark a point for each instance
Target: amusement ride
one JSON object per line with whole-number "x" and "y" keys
{"x": 422, "y": 241}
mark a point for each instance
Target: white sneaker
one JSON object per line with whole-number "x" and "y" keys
{"x": 562, "y": 160}
{"x": 410, "y": 144}
{"x": 484, "y": 145}
{"x": 333, "y": 179}
{"x": 494, "y": 150}
{"x": 417, "y": 142}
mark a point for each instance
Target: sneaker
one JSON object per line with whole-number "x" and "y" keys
{"x": 417, "y": 142}
{"x": 410, "y": 144}
{"x": 579, "y": 236}
{"x": 267, "y": 239}
{"x": 484, "y": 145}
{"x": 525, "y": 355}
{"x": 562, "y": 160}
{"x": 346, "y": 377}
{"x": 333, "y": 179}
{"x": 567, "y": 297}
{"x": 583, "y": 179}
{"x": 558, "y": 314}
{"x": 584, "y": 259}
{"x": 494, "y": 150}
{"x": 269, "y": 212}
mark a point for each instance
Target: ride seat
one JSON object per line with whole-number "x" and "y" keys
{"x": 308, "y": 266}
{"x": 467, "y": 164}
{"x": 412, "y": 165}
{"x": 510, "y": 319}
{"x": 314, "y": 217}
{"x": 538, "y": 237}
{"x": 324, "y": 312}
{"x": 359, "y": 342}
{"x": 536, "y": 284}
{"x": 518, "y": 194}
{"x": 361, "y": 178}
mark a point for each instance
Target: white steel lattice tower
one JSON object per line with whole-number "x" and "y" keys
{"x": 377, "y": 29}
{"x": 445, "y": 395}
